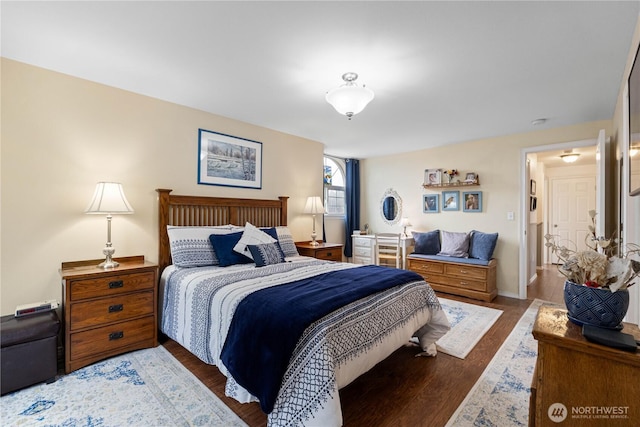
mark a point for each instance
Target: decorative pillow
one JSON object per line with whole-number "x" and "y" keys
{"x": 223, "y": 245}
{"x": 266, "y": 254}
{"x": 191, "y": 247}
{"x": 482, "y": 245}
{"x": 455, "y": 244}
{"x": 252, "y": 235}
{"x": 427, "y": 243}
{"x": 286, "y": 241}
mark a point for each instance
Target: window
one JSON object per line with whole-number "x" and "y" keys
{"x": 334, "y": 200}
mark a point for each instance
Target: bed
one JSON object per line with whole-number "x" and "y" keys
{"x": 329, "y": 322}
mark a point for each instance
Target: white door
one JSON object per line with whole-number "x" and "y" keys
{"x": 572, "y": 198}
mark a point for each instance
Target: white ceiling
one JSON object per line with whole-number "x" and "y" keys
{"x": 442, "y": 72}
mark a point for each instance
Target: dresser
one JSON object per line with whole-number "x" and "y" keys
{"x": 326, "y": 251}
{"x": 108, "y": 312}
{"x": 363, "y": 249}
{"x": 580, "y": 383}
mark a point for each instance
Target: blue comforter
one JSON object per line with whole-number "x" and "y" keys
{"x": 268, "y": 323}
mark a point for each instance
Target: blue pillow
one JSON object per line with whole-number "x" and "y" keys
{"x": 223, "y": 246}
{"x": 266, "y": 254}
{"x": 482, "y": 245}
{"x": 427, "y": 243}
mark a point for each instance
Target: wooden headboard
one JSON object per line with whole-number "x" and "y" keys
{"x": 209, "y": 211}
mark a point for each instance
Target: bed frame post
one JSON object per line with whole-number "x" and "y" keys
{"x": 283, "y": 210}
{"x": 164, "y": 256}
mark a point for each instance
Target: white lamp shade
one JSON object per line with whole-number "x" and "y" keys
{"x": 349, "y": 99}
{"x": 314, "y": 205}
{"x": 404, "y": 222}
{"x": 109, "y": 198}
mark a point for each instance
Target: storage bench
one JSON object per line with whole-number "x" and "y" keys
{"x": 469, "y": 277}
{"x": 29, "y": 350}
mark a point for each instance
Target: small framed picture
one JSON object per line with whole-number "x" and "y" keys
{"x": 450, "y": 200}
{"x": 533, "y": 203}
{"x": 472, "y": 201}
{"x": 433, "y": 176}
{"x": 430, "y": 203}
{"x": 471, "y": 178}
{"x": 532, "y": 187}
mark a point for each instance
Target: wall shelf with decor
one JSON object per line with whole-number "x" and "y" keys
{"x": 451, "y": 184}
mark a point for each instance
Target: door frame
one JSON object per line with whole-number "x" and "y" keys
{"x": 524, "y": 203}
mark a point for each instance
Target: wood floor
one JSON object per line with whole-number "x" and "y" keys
{"x": 404, "y": 390}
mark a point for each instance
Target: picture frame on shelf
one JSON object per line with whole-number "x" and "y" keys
{"x": 472, "y": 201}
{"x": 450, "y": 200}
{"x": 228, "y": 160}
{"x": 471, "y": 178}
{"x": 433, "y": 176}
{"x": 430, "y": 203}
{"x": 532, "y": 187}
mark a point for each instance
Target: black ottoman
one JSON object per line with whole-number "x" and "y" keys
{"x": 29, "y": 353}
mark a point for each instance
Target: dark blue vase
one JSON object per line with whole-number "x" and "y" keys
{"x": 596, "y": 307}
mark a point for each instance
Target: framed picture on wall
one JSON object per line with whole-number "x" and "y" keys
{"x": 533, "y": 203}
{"x": 450, "y": 200}
{"x": 532, "y": 187}
{"x": 433, "y": 176}
{"x": 228, "y": 160}
{"x": 472, "y": 201}
{"x": 430, "y": 203}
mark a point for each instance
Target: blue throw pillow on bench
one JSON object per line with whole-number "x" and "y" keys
{"x": 482, "y": 245}
{"x": 427, "y": 243}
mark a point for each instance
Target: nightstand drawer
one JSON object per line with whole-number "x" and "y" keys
{"x": 105, "y": 310}
{"x": 111, "y": 337}
{"x": 330, "y": 254}
{"x": 111, "y": 285}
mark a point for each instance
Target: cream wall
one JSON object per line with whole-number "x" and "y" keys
{"x": 497, "y": 163}
{"x": 61, "y": 135}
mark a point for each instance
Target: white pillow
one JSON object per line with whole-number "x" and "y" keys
{"x": 285, "y": 239}
{"x": 252, "y": 235}
{"x": 191, "y": 247}
{"x": 454, "y": 244}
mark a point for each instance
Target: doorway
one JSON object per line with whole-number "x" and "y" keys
{"x": 543, "y": 166}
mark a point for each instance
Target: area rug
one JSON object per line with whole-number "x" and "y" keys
{"x": 143, "y": 388}
{"x": 469, "y": 323}
{"x": 500, "y": 397}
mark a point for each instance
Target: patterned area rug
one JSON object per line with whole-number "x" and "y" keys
{"x": 143, "y": 388}
{"x": 469, "y": 323}
{"x": 500, "y": 397}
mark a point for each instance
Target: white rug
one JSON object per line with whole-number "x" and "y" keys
{"x": 143, "y": 388}
{"x": 500, "y": 397}
{"x": 469, "y": 323}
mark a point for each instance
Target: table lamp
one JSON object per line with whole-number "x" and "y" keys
{"x": 109, "y": 199}
{"x": 314, "y": 207}
{"x": 404, "y": 222}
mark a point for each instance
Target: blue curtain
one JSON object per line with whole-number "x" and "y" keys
{"x": 352, "y": 190}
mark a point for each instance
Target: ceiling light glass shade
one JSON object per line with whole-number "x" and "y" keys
{"x": 349, "y": 99}
{"x": 569, "y": 158}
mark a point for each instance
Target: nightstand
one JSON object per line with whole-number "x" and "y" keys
{"x": 326, "y": 251}
{"x": 108, "y": 312}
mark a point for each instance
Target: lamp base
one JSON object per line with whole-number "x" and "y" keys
{"x": 108, "y": 263}
{"x": 314, "y": 243}
{"x": 108, "y": 252}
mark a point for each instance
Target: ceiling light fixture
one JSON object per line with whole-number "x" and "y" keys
{"x": 633, "y": 151}
{"x": 538, "y": 122}
{"x": 349, "y": 99}
{"x": 569, "y": 157}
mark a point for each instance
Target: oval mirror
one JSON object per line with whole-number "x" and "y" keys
{"x": 391, "y": 207}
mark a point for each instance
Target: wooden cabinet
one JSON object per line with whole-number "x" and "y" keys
{"x": 108, "y": 312}
{"x": 326, "y": 251}
{"x": 580, "y": 383}
{"x": 469, "y": 280}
